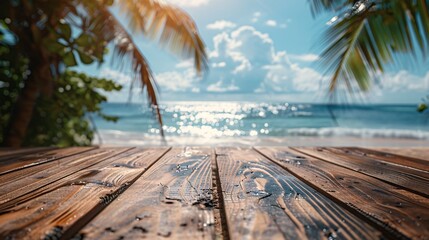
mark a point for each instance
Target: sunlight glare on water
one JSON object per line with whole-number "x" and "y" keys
{"x": 209, "y": 119}
{"x": 250, "y": 119}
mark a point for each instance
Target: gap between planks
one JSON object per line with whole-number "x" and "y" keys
{"x": 6, "y": 153}
{"x": 411, "y": 179}
{"x": 421, "y": 153}
{"x": 410, "y": 157}
{"x": 32, "y": 159}
{"x": 398, "y": 213}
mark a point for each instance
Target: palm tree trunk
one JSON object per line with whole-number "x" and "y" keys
{"x": 24, "y": 108}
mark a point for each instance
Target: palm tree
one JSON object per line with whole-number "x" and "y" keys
{"x": 367, "y": 35}
{"x": 52, "y": 34}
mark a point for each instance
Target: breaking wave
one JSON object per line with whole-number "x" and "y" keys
{"x": 359, "y": 133}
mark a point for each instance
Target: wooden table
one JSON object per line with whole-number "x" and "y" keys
{"x": 214, "y": 193}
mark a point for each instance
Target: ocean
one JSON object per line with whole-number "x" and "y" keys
{"x": 213, "y": 122}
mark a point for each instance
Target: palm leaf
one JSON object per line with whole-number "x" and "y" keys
{"x": 168, "y": 25}
{"x": 360, "y": 44}
{"x": 164, "y": 23}
{"x": 343, "y": 55}
{"x": 126, "y": 47}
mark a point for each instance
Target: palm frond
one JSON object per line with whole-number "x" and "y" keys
{"x": 168, "y": 25}
{"x": 343, "y": 55}
{"x": 126, "y": 47}
{"x": 361, "y": 44}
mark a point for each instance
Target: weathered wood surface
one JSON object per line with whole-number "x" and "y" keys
{"x": 418, "y": 154}
{"x": 31, "y": 182}
{"x": 264, "y": 201}
{"x": 406, "y": 161}
{"x": 67, "y": 205}
{"x": 172, "y": 200}
{"x": 396, "y": 212}
{"x": 411, "y": 179}
{"x": 16, "y": 152}
{"x": 29, "y": 159}
{"x": 207, "y": 193}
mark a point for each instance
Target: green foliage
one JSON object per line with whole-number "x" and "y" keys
{"x": 10, "y": 84}
{"x": 53, "y": 35}
{"x": 64, "y": 118}
{"x": 422, "y": 107}
{"x": 85, "y": 41}
{"x": 39, "y": 41}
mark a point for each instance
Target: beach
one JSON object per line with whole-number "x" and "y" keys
{"x": 112, "y": 138}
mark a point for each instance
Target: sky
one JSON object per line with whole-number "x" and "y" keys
{"x": 258, "y": 51}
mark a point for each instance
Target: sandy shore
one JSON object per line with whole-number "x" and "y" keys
{"x": 112, "y": 138}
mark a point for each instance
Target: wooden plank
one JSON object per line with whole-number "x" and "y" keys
{"x": 411, "y": 179}
{"x": 406, "y": 161}
{"x": 62, "y": 209}
{"x": 414, "y": 152}
{"x": 6, "y": 153}
{"x": 30, "y": 182}
{"x": 396, "y": 212}
{"x": 172, "y": 199}
{"x": 264, "y": 201}
{"x": 17, "y": 179}
{"x": 32, "y": 159}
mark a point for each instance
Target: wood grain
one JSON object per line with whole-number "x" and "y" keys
{"x": 16, "y": 179}
{"x": 406, "y": 161}
{"x": 31, "y": 182}
{"x": 419, "y": 153}
{"x": 63, "y": 209}
{"x": 414, "y": 180}
{"x": 32, "y": 159}
{"x": 172, "y": 199}
{"x": 264, "y": 201}
{"x": 396, "y": 212}
{"x": 6, "y": 153}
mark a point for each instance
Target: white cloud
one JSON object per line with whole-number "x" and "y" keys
{"x": 116, "y": 76}
{"x": 125, "y": 81}
{"x": 250, "y": 62}
{"x": 271, "y": 23}
{"x": 242, "y": 54}
{"x": 286, "y": 76}
{"x": 185, "y": 64}
{"x": 181, "y": 80}
{"x": 188, "y": 3}
{"x": 221, "y": 25}
{"x": 244, "y": 60}
{"x": 304, "y": 57}
{"x": 256, "y": 17}
{"x": 220, "y": 87}
{"x": 219, "y": 65}
{"x": 403, "y": 81}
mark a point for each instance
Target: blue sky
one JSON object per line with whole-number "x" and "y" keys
{"x": 259, "y": 51}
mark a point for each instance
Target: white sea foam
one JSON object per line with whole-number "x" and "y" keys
{"x": 360, "y": 133}
{"x": 306, "y": 137}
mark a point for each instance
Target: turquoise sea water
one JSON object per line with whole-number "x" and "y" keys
{"x": 243, "y": 119}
